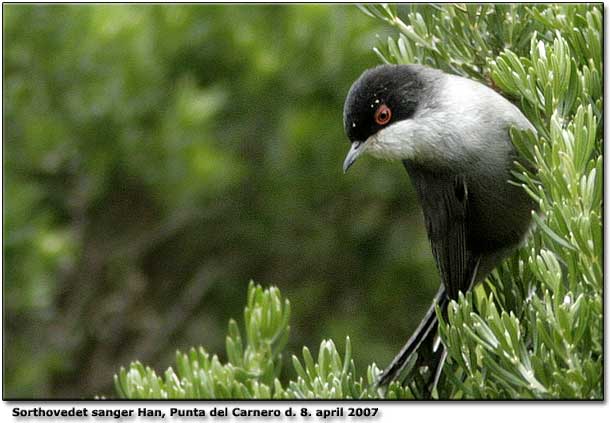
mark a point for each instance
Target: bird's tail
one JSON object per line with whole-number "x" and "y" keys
{"x": 424, "y": 348}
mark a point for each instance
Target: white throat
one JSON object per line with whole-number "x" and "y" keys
{"x": 406, "y": 139}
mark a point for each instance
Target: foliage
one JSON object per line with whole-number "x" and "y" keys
{"x": 253, "y": 366}
{"x": 535, "y": 331}
{"x": 152, "y": 160}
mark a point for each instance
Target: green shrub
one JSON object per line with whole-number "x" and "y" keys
{"x": 254, "y": 364}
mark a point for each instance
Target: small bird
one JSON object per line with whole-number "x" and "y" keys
{"x": 452, "y": 136}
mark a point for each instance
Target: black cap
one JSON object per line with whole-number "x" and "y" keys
{"x": 399, "y": 87}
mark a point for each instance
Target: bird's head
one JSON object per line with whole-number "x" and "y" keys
{"x": 378, "y": 106}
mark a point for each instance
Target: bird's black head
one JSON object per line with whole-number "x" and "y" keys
{"x": 381, "y": 96}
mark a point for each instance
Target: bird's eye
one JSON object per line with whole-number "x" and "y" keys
{"x": 383, "y": 115}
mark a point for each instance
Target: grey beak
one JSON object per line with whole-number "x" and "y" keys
{"x": 353, "y": 154}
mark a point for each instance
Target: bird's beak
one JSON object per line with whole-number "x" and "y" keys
{"x": 356, "y": 149}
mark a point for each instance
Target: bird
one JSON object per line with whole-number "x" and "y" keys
{"x": 452, "y": 135}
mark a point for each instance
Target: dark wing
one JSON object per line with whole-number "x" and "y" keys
{"x": 444, "y": 199}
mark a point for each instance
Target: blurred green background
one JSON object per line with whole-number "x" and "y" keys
{"x": 157, "y": 158}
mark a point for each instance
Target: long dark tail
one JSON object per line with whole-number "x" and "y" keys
{"x": 425, "y": 346}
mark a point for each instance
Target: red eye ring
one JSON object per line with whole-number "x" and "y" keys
{"x": 382, "y": 115}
